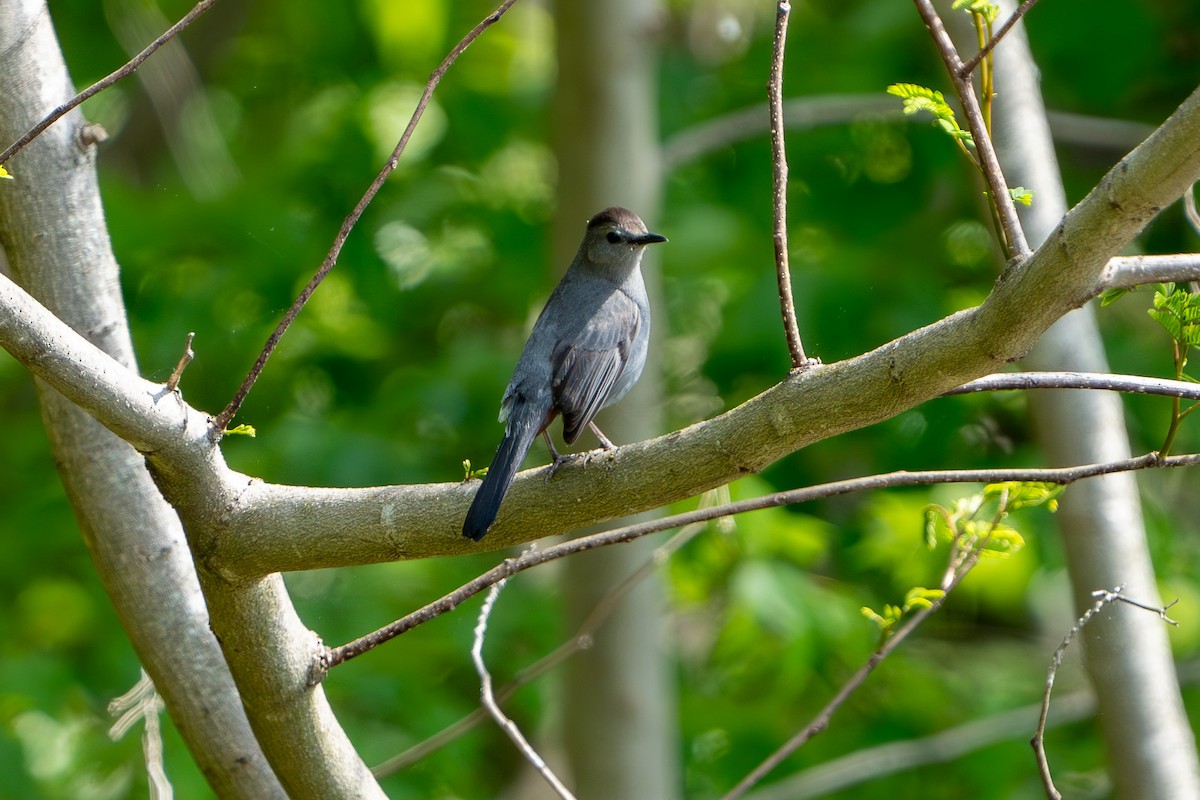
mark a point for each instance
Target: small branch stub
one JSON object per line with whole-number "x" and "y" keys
{"x": 184, "y": 360}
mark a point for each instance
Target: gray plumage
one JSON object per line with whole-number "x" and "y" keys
{"x": 586, "y": 351}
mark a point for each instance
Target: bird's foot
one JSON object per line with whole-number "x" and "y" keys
{"x": 556, "y": 461}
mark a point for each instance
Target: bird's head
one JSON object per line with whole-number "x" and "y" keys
{"x": 615, "y": 238}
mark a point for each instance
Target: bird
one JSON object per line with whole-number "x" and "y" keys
{"x": 586, "y": 351}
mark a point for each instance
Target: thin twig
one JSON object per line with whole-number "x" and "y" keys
{"x": 803, "y": 113}
{"x": 581, "y": 640}
{"x": 221, "y": 422}
{"x": 779, "y": 172}
{"x": 1038, "y": 741}
{"x": 104, "y": 83}
{"x": 962, "y": 560}
{"x": 1103, "y": 598}
{"x": 184, "y": 360}
{"x": 1015, "y": 244}
{"x": 944, "y": 747}
{"x": 448, "y": 602}
{"x": 489, "y": 699}
{"x": 969, "y": 66}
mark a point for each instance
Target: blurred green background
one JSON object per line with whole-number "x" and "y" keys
{"x": 394, "y": 372}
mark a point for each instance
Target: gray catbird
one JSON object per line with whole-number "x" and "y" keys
{"x": 586, "y": 351}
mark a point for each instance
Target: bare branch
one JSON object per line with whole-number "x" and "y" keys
{"x": 1063, "y": 476}
{"x": 102, "y": 84}
{"x": 962, "y": 560}
{"x": 802, "y": 113}
{"x": 944, "y": 747}
{"x": 1016, "y": 245}
{"x": 1127, "y": 272}
{"x": 1103, "y": 598}
{"x": 967, "y": 68}
{"x": 581, "y": 640}
{"x": 1133, "y": 384}
{"x": 779, "y": 174}
{"x": 221, "y": 421}
{"x": 489, "y": 699}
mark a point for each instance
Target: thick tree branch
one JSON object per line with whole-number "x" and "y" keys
{"x": 269, "y": 528}
{"x": 532, "y": 558}
{"x": 55, "y": 242}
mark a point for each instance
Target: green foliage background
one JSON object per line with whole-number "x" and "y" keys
{"x": 394, "y": 372}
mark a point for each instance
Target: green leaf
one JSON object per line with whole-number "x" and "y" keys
{"x": 938, "y": 525}
{"x": 1021, "y": 195}
{"x": 469, "y": 473}
{"x": 920, "y": 98}
{"x": 920, "y": 597}
{"x": 1003, "y": 541}
{"x": 1027, "y": 494}
{"x": 1178, "y": 311}
{"x": 1112, "y": 296}
{"x": 241, "y": 430}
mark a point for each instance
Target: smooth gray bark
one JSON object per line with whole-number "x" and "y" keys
{"x": 54, "y": 236}
{"x": 1151, "y": 747}
{"x": 620, "y": 726}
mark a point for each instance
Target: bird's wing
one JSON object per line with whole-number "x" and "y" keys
{"x": 587, "y": 367}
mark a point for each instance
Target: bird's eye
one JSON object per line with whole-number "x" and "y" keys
{"x": 613, "y": 237}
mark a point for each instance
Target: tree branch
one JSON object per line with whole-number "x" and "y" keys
{"x": 779, "y": 177}
{"x": 222, "y": 420}
{"x": 962, "y": 560}
{"x": 964, "y": 72}
{"x": 506, "y": 569}
{"x": 1126, "y": 272}
{"x": 105, "y": 82}
{"x": 1133, "y": 384}
{"x": 304, "y": 528}
{"x": 803, "y": 113}
{"x": 489, "y": 699}
{"x": 1015, "y": 244}
{"x": 1103, "y": 598}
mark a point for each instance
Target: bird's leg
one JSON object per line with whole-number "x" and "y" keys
{"x": 557, "y": 459}
{"x": 605, "y": 442}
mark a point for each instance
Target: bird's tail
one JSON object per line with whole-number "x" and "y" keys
{"x": 518, "y": 436}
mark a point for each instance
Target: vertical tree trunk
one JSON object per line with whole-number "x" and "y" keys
{"x": 620, "y": 714}
{"x": 54, "y": 236}
{"x": 1152, "y": 751}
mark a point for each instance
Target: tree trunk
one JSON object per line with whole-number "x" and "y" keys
{"x": 55, "y": 240}
{"x": 1152, "y": 751}
{"x": 620, "y": 715}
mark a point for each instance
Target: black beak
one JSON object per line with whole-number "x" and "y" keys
{"x": 647, "y": 238}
